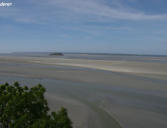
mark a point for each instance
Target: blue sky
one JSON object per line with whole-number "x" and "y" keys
{"x": 107, "y": 26}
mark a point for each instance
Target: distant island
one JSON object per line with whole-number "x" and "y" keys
{"x": 56, "y": 54}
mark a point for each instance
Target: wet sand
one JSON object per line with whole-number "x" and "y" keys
{"x": 97, "y": 93}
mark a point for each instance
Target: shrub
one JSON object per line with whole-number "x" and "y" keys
{"x": 23, "y": 107}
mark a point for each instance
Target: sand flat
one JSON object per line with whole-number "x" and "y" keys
{"x": 100, "y": 90}
{"x": 116, "y": 66}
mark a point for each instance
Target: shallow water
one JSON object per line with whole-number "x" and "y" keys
{"x": 98, "y": 56}
{"x": 101, "y": 99}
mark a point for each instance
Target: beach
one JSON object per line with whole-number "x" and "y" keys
{"x": 98, "y": 93}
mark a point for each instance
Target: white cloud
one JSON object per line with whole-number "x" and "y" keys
{"x": 73, "y": 10}
{"x": 99, "y": 9}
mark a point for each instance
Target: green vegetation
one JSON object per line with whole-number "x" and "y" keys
{"x": 23, "y": 107}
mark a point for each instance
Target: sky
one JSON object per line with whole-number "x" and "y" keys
{"x": 98, "y": 26}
